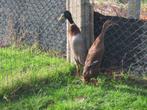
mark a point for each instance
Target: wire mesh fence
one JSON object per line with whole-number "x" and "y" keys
{"x": 126, "y": 44}
{"x": 33, "y": 23}
{"x": 32, "y": 40}
{"x": 30, "y": 35}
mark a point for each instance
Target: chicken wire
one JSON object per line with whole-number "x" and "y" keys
{"x": 28, "y": 25}
{"x": 33, "y": 21}
{"x": 125, "y": 44}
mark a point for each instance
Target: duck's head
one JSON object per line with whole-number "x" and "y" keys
{"x": 66, "y": 15}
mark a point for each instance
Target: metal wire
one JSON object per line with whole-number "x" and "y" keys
{"x": 125, "y": 45}
{"x": 36, "y": 21}
{"x": 35, "y": 16}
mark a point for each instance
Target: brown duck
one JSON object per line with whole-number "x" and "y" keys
{"x": 76, "y": 41}
{"x": 95, "y": 54}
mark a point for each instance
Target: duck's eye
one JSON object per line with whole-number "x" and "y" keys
{"x": 61, "y": 18}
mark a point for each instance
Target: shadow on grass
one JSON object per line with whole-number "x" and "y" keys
{"x": 34, "y": 87}
{"x": 130, "y": 85}
{"x": 27, "y": 91}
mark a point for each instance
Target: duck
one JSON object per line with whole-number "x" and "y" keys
{"x": 95, "y": 54}
{"x": 76, "y": 41}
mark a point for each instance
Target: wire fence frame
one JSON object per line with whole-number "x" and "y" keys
{"x": 116, "y": 40}
{"x": 36, "y": 21}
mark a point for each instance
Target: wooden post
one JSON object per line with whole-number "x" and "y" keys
{"x": 134, "y": 9}
{"x": 10, "y": 29}
{"x": 82, "y": 13}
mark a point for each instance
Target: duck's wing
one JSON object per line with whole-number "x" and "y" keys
{"x": 91, "y": 57}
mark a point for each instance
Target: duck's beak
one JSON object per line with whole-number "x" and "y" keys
{"x": 61, "y": 18}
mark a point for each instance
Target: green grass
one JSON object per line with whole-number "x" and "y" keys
{"x": 19, "y": 68}
{"x": 41, "y": 82}
{"x": 144, "y": 1}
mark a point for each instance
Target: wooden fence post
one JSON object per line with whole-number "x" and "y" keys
{"x": 82, "y": 12}
{"x": 134, "y": 9}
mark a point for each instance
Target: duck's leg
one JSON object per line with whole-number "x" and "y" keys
{"x": 78, "y": 70}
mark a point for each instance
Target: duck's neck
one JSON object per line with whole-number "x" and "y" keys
{"x": 70, "y": 20}
{"x": 73, "y": 30}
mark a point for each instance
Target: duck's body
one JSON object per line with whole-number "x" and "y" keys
{"x": 95, "y": 54}
{"x": 76, "y": 41}
{"x": 77, "y": 45}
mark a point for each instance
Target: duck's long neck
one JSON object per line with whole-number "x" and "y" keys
{"x": 104, "y": 30}
{"x": 73, "y": 30}
{"x": 70, "y": 20}
{"x": 102, "y": 34}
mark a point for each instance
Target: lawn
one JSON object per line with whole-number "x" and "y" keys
{"x": 144, "y": 1}
{"x": 38, "y": 81}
